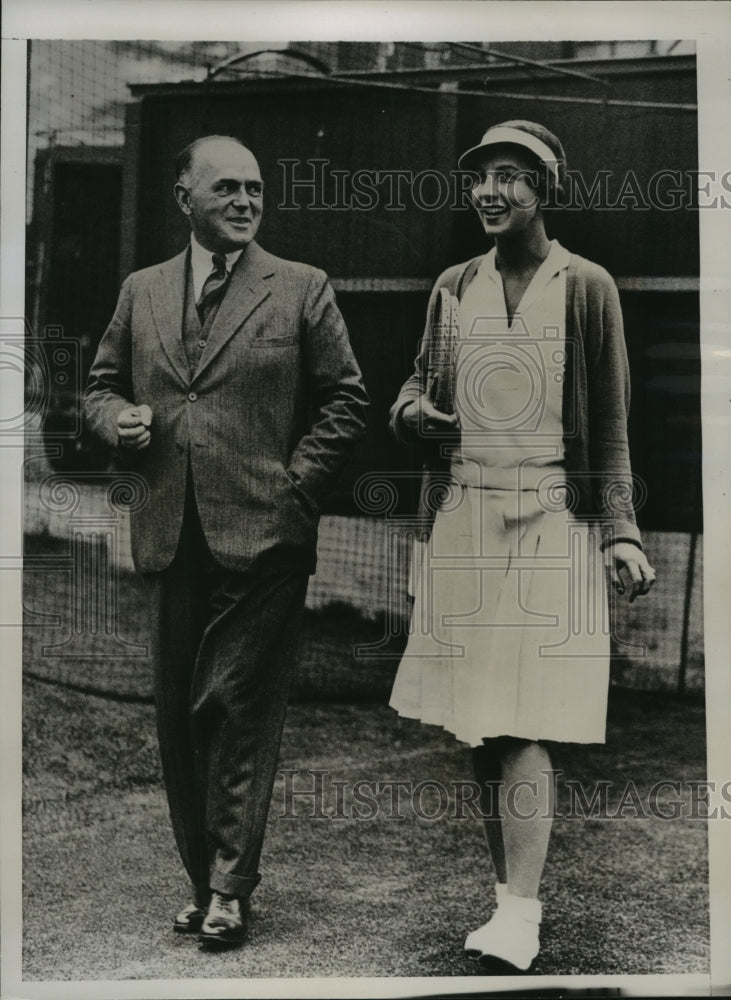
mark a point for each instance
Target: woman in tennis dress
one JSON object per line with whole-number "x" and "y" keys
{"x": 509, "y": 643}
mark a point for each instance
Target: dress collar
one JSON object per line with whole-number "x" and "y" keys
{"x": 556, "y": 260}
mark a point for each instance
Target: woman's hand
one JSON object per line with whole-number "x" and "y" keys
{"x": 627, "y": 568}
{"x": 420, "y": 415}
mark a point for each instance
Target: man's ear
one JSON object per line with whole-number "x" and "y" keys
{"x": 182, "y": 196}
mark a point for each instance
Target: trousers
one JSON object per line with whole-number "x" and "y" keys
{"x": 226, "y": 646}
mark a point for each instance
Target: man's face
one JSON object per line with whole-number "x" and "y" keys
{"x": 222, "y": 195}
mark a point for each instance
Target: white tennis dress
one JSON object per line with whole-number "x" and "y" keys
{"x": 509, "y": 632}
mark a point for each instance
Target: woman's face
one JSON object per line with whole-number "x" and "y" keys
{"x": 505, "y": 196}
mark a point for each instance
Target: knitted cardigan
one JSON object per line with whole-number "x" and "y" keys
{"x": 595, "y": 403}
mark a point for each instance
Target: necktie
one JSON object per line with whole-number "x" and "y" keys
{"x": 213, "y": 286}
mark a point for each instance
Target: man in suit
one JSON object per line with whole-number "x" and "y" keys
{"x": 227, "y": 380}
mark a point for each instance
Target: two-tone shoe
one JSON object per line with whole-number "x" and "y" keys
{"x": 189, "y": 920}
{"x": 224, "y": 925}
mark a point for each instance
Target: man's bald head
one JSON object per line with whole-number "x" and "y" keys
{"x": 184, "y": 160}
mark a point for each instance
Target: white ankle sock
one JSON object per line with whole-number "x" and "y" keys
{"x": 472, "y": 942}
{"x": 511, "y": 934}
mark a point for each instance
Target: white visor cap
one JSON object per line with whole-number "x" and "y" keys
{"x": 502, "y": 134}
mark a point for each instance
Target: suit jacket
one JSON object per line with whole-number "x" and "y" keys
{"x": 266, "y": 420}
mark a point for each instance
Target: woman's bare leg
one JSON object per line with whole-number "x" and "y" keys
{"x": 527, "y": 804}
{"x": 518, "y": 844}
{"x": 487, "y": 768}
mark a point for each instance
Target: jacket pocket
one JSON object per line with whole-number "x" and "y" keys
{"x": 309, "y": 505}
{"x": 274, "y": 341}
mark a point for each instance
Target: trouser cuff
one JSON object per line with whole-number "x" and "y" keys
{"x": 202, "y": 896}
{"x": 241, "y": 886}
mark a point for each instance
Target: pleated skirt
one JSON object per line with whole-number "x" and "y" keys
{"x": 509, "y": 633}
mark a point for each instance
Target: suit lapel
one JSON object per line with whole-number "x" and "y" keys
{"x": 167, "y": 294}
{"x": 246, "y": 290}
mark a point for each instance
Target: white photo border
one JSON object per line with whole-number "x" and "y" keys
{"x": 709, "y": 25}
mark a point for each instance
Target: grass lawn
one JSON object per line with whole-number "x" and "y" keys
{"x": 346, "y": 896}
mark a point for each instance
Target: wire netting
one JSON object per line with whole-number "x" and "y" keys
{"x": 78, "y": 89}
{"x": 86, "y": 612}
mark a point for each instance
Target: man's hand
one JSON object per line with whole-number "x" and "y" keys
{"x": 133, "y": 427}
{"x": 628, "y": 569}
{"x": 421, "y": 415}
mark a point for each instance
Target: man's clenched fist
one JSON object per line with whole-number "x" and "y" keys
{"x": 133, "y": 427}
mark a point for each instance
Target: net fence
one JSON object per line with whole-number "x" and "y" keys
{"x": 78, "y": 89}
{"x": 86, "y": 612}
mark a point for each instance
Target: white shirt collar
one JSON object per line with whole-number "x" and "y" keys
{"x": 201, "y": 263}
{"x": 556, "y": 260}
